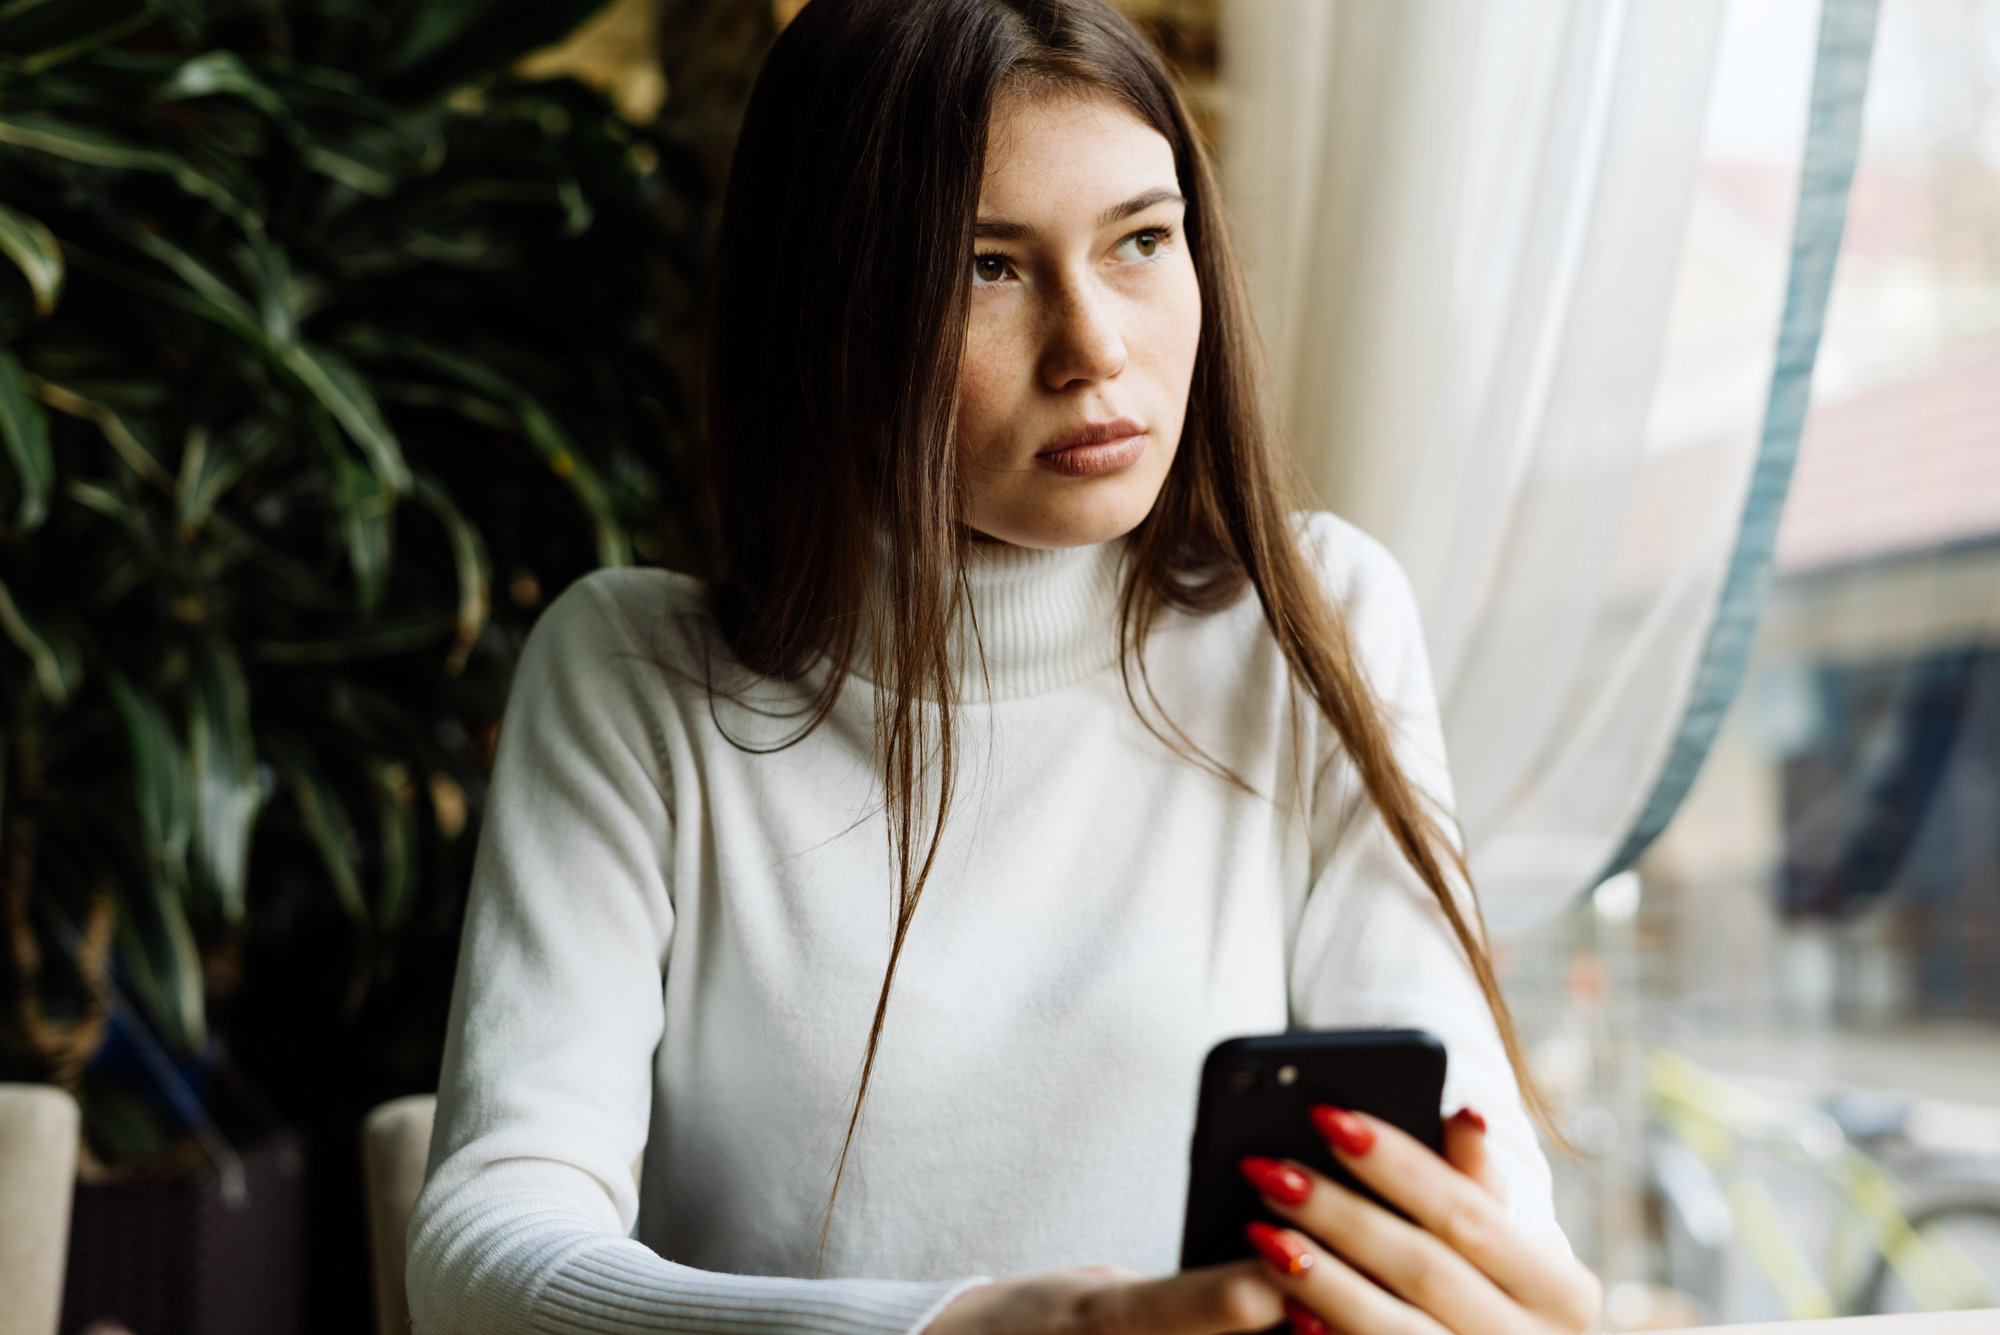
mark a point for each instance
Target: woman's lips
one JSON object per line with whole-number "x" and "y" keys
{"x": 1095, "y": 448}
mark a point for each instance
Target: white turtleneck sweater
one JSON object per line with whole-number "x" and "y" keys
{"x": 676, "y": 936}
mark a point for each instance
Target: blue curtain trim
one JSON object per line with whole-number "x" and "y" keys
{"x": 1833, "y": 141}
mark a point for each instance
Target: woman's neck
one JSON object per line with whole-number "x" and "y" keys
{"x": 1033, "y": 621}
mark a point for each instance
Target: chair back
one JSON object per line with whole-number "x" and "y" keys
{"x": 395, "y": 1144}
{"x": 38, "y": 1139}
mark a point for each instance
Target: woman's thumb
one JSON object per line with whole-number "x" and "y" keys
{"x": 1465, "y": 1150}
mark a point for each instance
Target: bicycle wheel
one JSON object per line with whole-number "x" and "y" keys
{"x": 1963, "y": 1230}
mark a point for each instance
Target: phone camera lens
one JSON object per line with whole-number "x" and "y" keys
{"x": 1288, "y": 1075}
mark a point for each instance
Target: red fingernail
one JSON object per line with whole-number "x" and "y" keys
{"x": 1281, "y": 1182}
{"x": 1471, "y": 1117}
{"x": 1281, "y": 1248}
{"x": 1349, "y": 1134}
{"x": 1304, "y": 1320}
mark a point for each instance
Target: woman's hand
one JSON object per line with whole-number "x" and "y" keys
{"x": 1463, "y": 1266}
{"x": 1108, "y": 1300}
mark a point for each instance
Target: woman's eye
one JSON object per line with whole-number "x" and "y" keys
{"x": 1145, "y": 244}
{"x": 989, "y": 268}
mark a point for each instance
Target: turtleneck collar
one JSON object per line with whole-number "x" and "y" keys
{"x": 1045, "y": 619}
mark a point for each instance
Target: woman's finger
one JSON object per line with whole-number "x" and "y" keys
{"x": 1412, "y": 1264}
{"x": 1336, "y": 1293}
{"x": 1214, "y": 1300}
{"x": 1445, "y": 1202}
{"x": 1465, "y": 1150}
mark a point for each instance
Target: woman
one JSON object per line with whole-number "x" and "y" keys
{"x": 856, "y": 927}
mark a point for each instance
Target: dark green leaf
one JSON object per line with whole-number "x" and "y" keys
{"x": 101, "y": 499}
{"x": 475, "y": 574}
{"x": 396, "y": 806}
{"x": 325, "y": 374}
{"x": 173, "y": 295}
{"x": 577, "y": 213}
{"x": 198, "y": 500}
{"x": 63, "y": 139}
{"x": 92, "y": 148}
{"x": 332, "y": 833}
{"x": 338, "y": 93}
{"x": 223, "y": 758}
{"x": 327, "y": 825}
{"x": 34, "y": 250}
{"x": 38, "y": 34}
{"x": 353, "y": 165}
{"x": 123, "y": 438}
{"x": 26, "y": 433}
{"x": 468, "y": 371}
{"x": 367, "y": 523}
{"x": 224, "y": 303}
{"x": 159, "y": 931}
{"x": 269, "y": 270}
{"x": 223, "y": 72}
{"x": 158, "y": 948}
{"x": 380, "y": 640}
{"x": 469, "y": 406}
{"x": 202, "y": 292}
{"x": 614, "y": 548}
{"x": 160, "y": 786}
{"x": 210, "y": 468}
{"x": 52, "y": 674}
{"x": 144, "y": 397}
{"x": 346, "y": 396}
{"x": 447, "y": 40}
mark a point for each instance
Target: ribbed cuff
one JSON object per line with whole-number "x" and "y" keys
{"x": 622, "y": 1287}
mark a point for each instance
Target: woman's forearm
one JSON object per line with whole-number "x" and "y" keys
{"x": 515, "y": 1248}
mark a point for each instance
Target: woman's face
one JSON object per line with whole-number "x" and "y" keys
{"x": 1085, "y": 313}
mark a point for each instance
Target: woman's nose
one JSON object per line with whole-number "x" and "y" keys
{"x": 1084, "y": 344}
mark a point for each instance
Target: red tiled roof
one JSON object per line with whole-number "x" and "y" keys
{"x": 1899, "y": 468}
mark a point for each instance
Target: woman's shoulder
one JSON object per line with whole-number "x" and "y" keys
{"x": 637, "y": 593}
{"x": 632, "y": 612}
{"x": 1379, "y": 609}
{"x": 1362, "y": 577}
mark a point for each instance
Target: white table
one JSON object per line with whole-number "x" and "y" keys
{"x": 1985, "y": 1322}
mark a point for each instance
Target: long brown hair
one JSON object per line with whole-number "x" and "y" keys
{"x": 839, "y": 318}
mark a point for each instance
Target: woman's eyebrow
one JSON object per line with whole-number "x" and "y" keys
{"x": 1005, "y": 231}
{"x": 999, "y": 229}
{"x": 1139, "y": 204}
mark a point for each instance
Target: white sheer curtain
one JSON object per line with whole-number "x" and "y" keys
{"x": 1521, "y": 308}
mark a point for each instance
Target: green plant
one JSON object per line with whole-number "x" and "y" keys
{"x": 317, "y": 328}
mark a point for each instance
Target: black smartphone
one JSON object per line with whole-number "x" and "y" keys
{"x": 1255, "y": 1093}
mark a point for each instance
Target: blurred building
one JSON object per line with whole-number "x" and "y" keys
{"x": 1840, "y": 858}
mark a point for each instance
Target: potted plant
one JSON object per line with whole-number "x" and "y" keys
{"x": 329, "y": 352}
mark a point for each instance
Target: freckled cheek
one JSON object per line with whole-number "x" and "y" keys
{"x": 989, "y": 386}
{"x": 1189, "y": 324}
{"x": 1172, "y": 336}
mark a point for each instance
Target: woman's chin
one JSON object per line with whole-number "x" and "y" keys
{"x": 1046, "y": 510}
{"x": 1050, "y": 532}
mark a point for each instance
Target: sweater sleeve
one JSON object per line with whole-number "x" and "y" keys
{"x": 525, "y": 1220}
{"x": 1374, "y": 948}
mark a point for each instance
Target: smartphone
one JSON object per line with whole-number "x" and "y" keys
{"x": 1255, "y": 1093}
